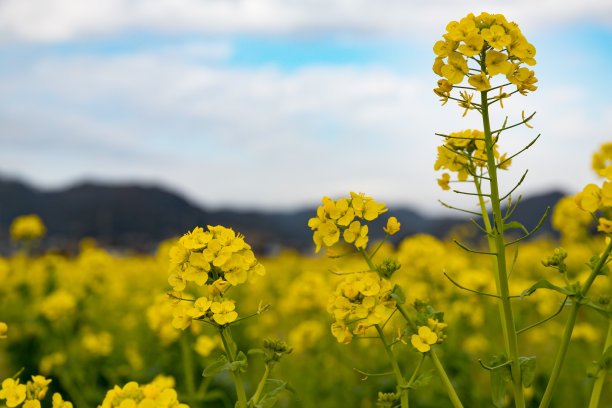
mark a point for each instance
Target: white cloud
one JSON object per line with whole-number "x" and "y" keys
{"x": 263, "y": 136}
{"x": 61, "y": 20}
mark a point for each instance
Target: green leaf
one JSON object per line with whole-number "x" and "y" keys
{"x": 544, "y": 284}
{"x": 593, "y": 369}
{"x": 398, "y": 294}
{"x": 604, "y": 270}
{"x": 422, "y": 380}
{"x": 527, "y": 365}
{"x": 240, "y": 364}
{"x": 606, "y": 359}
{"x": 219, "y": 365}
{"x": 272, "y": 390}
{"x": 517, "y": 225}
{"x": 498, "y": 388}
{"x": 500, "y": 377}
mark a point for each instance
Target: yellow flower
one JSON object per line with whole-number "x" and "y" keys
{"x": 605, "y": 225}
{"x": 473, "y": 45}
{"x": 200, "y": 307}
{"x": 589, "y": 199}
{"x": 218, "y": 287}
{"x": 497, "y": 63}
{"x": 341, "y": 332}
{"x": 330, "y": 234}
{"x": 392, "y": 227}
{"x": 479, "y": 81}
{"x": 496, "y": 37}
{"x": 424, "y": 339}
{"x": 13, "y": 392}
{"x": 3, "y": 330}
{"x": 31, "y": 404}
{"x": 205, "y": 345}
{"x": 27, "y": 227}
{"x": 443, "y": 48}
{"x": 456, "y": 68}
{"x": 443, "y": 182}
{"x": 223, "y": 312}
{"x": 357, "y": 234}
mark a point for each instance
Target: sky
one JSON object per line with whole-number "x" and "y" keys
{"x": 272, "y": 104}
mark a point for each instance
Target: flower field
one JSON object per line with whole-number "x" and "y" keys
{"x": 511, "y": 319}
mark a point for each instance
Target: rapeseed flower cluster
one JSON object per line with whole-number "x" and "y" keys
{"x": 217, "y": 259}
{"x": 595, "y": 198}
{"x": 362, "y": 300}
{"x": 463, "y": 153}
{"x": 497, "y": 46}
{"x": 29, "y": 394}
{"x": 342, "y": 217}
{"x": 27, "y": 228}
{"x": 159, "y": 393}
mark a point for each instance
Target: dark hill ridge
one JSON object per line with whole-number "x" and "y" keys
{"x": 138, "y": 217}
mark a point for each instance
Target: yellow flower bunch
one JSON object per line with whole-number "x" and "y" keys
{"x": 593, "y": 197}
{"x": 341, "y": 217}
{"x": 569, "y": 220}
{"x": 364, "y": 299}
{"x": 13, "y": 392}
{"x": 3, "y": 330}
{"x": 217, "y": 258}
{"x": 27, "y": 227}
{"x": 159, "y": 393}
{"x": 602, "y": 159}
{"x": 464, "y": 152}
{"x": 497, "y": 46}
{"x": 204, "y": 257}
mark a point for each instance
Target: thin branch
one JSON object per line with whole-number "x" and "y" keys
{"x": 545, "y": 320}
{"x": 458, "y": 137}
{"x": 372, "y": 374}
{"x": 473, "y": 250}
{"x": 468, "y": 289}
{"x": 473, "y": 194}
{"x": 479, "y": 227}
{"x": 516, "y": 251}
{"x": 459, "y": 209}
{"x": 520, "y": 151}
{"x": 515, "y": 187}
{"x": 486, "y": 367}
{"x": 511, "y": 209}
{"x": 527, "y": 119}
{"x": 537, "y": 227}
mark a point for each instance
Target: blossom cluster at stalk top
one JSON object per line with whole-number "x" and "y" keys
{"x": 347, "y": 217}
{"x": 479, "y": 48}
{"x": 216, "y": 259}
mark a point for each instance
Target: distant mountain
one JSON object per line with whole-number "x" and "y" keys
{"x": 139, "y": 218}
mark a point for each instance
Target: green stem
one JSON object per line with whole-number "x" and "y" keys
{"x": 401, "y": 383}
{"x": 492, "y": 248}
{"x": 404, "y": 313}
{"x": 417, "y": 369}
{"x": 569, "y": 328}
{"x": 601, "y": 375}
{"x": 368, "y": 260}
{"x": 188, "y": 367}
{"x": 452, "y": 394}
{"x": 510, "y": 337}
{"x": 262, "y": 382}
{"x": 228, "y": 344}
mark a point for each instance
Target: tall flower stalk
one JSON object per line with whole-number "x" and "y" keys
{"x": 482, "y": 49}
